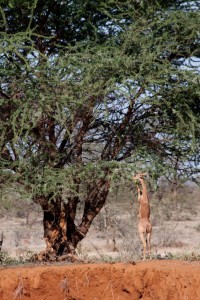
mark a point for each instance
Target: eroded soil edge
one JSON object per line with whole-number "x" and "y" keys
{"x": 172, "y": 280}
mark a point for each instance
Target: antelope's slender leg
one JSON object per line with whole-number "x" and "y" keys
{"x": 144, "y": 244}
{"x": 149, "y": 243}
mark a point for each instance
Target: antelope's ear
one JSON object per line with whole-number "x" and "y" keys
{"x": 144, "y": 174}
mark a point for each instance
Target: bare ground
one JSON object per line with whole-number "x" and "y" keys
{"x": 156, "y": 280}
{"x": 113, "y": 238}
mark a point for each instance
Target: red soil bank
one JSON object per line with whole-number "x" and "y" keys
{"x": 156, "y": 280}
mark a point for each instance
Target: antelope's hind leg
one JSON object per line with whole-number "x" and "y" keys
{"x": 149, "y": 243}
{"x": 141, "y": 233}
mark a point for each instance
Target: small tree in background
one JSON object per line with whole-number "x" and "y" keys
{"x": 91, "y": 92}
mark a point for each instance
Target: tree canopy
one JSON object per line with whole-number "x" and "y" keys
{"x": 92, "y": 90}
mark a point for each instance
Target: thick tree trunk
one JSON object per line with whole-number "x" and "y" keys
{"x": 58, "y": 226}
{"x": 93, "y": 204}
{"x": 60, "y": 233}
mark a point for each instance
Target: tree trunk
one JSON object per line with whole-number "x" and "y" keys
{"x": 60, "y": 232}
{"x": 58, "y": 226}
{"x": 93, "y": 204}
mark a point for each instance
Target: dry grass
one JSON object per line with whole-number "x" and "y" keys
{"x": 19, "y": 291}
{"x": 197, "y": 227}
{"x": 172, "y": 216}
{"x": 64, "y": 286}
{"x": 113, "y": 235}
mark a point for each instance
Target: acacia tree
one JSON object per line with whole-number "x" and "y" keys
{"x": 90, "y": 91}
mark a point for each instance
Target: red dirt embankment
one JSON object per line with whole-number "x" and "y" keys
{"x": 156, "y": 280}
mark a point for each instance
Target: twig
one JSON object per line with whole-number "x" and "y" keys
{"x": 19, "y": 291}
{"x": 101, "y": 256}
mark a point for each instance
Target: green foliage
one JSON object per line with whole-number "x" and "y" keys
{"x": 184, "y": 256}
{"x": 95, "y": 91}
{"x": 6, "y": 260}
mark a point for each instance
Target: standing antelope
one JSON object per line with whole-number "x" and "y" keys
{"x": 144, "y": 225}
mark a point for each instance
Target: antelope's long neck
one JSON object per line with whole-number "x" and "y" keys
{"x": 144, "y": 190}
